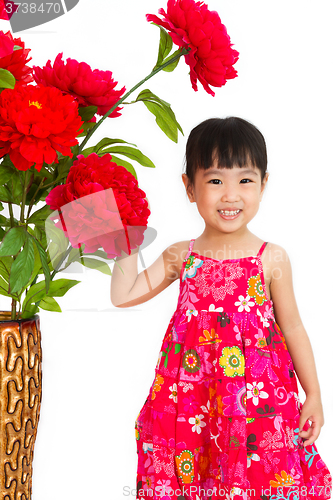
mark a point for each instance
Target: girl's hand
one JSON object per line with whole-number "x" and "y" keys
{"x": 312, "y": 409}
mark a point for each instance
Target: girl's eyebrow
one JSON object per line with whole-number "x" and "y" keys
{"x": 215, "y": 171}
{"x": 249, "y": 171}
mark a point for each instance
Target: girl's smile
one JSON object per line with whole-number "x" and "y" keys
{"x": 229, "y": 214}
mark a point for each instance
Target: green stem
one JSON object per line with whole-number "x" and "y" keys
{"x": 13, "y": 308}
{"x": 11, "y": 214}
{"x": 24, "y": 195}
{"x": 153, "y": 73}
{"x": 34, "y": 196}
{"x": 26, "y": 179}
{"x": 56, "y": 270}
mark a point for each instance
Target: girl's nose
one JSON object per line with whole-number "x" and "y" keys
{"x": 230, "y": 194}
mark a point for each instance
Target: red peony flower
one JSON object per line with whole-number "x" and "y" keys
{"x": 101, "y": 206}
{"x": 15, "y": 60}
{"x": 89, "y": 87}
{"x": 35, "y": 123}
{"x": 192, "y": 25}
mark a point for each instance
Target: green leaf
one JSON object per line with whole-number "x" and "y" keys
{"x": 87, "y": 112}
{"x": 57, "y": 242}
{"x": 103, "y": 143}
{"x": 17, "y": 47}
{"x": 16, "y": 188}
{"x": 165, "y": 46}
{"x": 40, "y": 215}
{"x": 173, "y": 65}
{"x": 96, "y": 264}
{"x": 44, "y": 172}
{"x": 59, "y": 288}
{"x": 43, "y": 258}
{"x": 6, "y": 173}
{"x": 7, "y": 80}
{"x": 29, "y": 311}
{"x": 49, "y": 304}
{"x": 4, "y": 288}
{"x": 98, "y": 253}
{"x": 5, "y": 265}
{"x": 6, "y": 195}
{"x": 13, "y": 241}
{"x": 14, "y": 179}
{"x": 37, "y": 292}
{"x": 165, "y": 117}
{"x": 132, "y": 153}
{"x": 63, "y": 167}
{"x": 37, "y": 266}
{"x": 112, "y": 146}
{"x": 85, "y": 128}
{"x": 73, "y": 256}
{"x": 22, "y": 268}
{"x": 163, "y": 121}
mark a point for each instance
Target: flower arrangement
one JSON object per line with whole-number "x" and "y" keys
{"x": 92, "y": 208}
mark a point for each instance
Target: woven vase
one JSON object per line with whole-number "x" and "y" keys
{"x": 20, "y": 399}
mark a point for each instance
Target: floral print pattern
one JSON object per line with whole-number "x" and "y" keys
{"x": 191, "y": 361}
{"x": 244, "y": 303}
{"x": 197, "y": 423}
{"x": 185, "y": 466}
{"x": 255, "y": 392}
{"x": 191, "y": 266}
{"x": 256, "y": 289}
{"x": 217, "y": 279}
{"x": 157, "y": 385}
{"x": 232, "y": 361}
{"x": 223, "y": 411}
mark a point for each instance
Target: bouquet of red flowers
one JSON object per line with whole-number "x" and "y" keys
{"x": 91, "y": 203}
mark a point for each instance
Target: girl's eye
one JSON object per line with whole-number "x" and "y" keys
{"x": 212, "y": 180}
{"x": 245, "y": 181}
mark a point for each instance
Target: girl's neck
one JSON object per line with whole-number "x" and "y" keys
{"x": 216, "y": 241}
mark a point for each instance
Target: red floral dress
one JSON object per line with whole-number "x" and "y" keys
{"x": 221, "y": 419}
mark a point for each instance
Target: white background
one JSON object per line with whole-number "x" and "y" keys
{"x": 99, "y": 361}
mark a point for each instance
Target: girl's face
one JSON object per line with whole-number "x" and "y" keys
{"x": 227, "y": 199}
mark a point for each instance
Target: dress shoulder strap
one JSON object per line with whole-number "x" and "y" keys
{"x": 262, "y": 248}
{"x": 190, "y": 249}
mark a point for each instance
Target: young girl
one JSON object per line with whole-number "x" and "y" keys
{"x": 223, "y": 418}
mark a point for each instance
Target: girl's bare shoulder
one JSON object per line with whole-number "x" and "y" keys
{"x": 274, "y": 253}
{"x": 274, "y": 259}
{"x": 175, "y": 255}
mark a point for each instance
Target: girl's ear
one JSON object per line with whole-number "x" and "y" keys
{"x": 189, "y": 188}
{"x": 263, "y": 184}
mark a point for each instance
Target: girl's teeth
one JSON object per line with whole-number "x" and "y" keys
{"x": 228, "y": 212}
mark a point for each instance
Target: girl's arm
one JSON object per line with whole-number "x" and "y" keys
{"x": 288, "y": 318}
{"x": 128, "y": 288}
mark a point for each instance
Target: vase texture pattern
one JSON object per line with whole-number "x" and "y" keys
{"x": 20, "y": 399}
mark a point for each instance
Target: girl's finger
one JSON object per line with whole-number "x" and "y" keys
{"x": 315, "y": 431}
{"x": 305, "y": 434}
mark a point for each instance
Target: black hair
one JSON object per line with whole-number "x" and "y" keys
{"x": 232, "y": 141}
